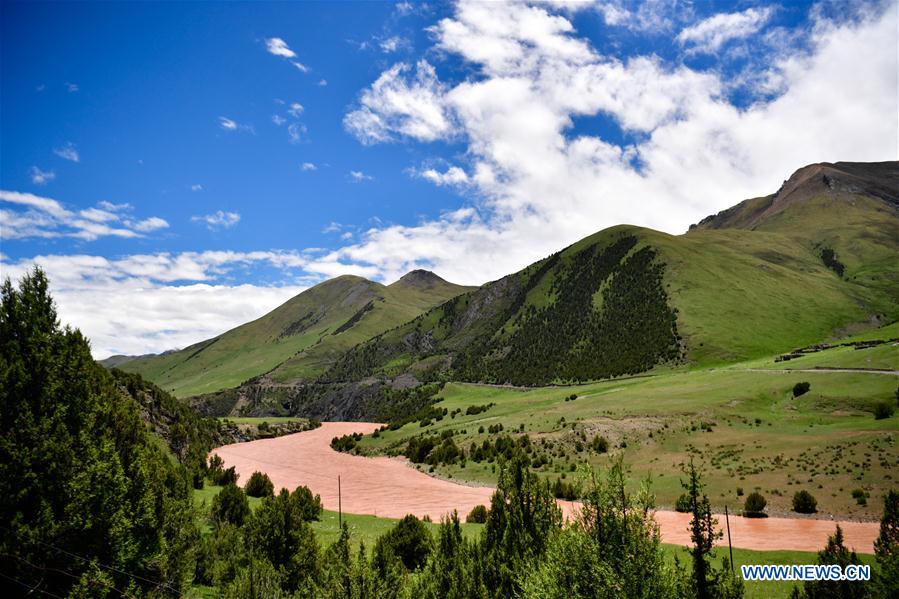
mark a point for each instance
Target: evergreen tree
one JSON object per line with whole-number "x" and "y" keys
{"x": 886, "y": 547}
{"x": 450, "y": 573}
{"x": 89, "y": 504}
{"x": 279, "y": 531}
{"x": 522, "y": 520}
{"x": 708, "y": 582}
{"x": 835, "y": 553}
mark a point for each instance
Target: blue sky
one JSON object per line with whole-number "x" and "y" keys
{"x": 181, "y": 168}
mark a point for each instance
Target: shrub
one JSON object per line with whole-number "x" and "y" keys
{"x": 754, "y": 505}
{"x": 564, "y": 490}
{"x": 739, "y": 491}
{"x": 801, "y": 389}
{"x": 599, "y": 444}
{"x": 883, "y": 410}
{"x": 304, "y": 503}
{"x": 259, "y": 485}
{"x": 225, "y": 477}
{"x": 409, "y": 540}
{"x": 682, "y": 504}
{"x": 472, "y": 410}
{"x": 230, "y": 506}
{"x": 804, "y": 503}
{"x": 860, "y": 496}
{"x": 477, "y": 515}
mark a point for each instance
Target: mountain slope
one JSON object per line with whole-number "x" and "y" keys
{"x": 846, "y": 211}
{"x": 755, "y": 280}
{"x": 300, "y": 338}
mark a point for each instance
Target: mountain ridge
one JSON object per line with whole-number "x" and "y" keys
{"x": 298, "y": 339}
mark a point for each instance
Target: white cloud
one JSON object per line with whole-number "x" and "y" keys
{"x": 72, "y": 87}
{"x": 218, "y": 220}
{"x": 300, "y": 66}
{"x": 295, "y": 132}
{"x": 278, "y": 47}
{"x": 391, "y": 44}
{"x": 278, "y": 119}
{"x": 68, "y": 152}
{"x": 452, "y": 176}
{"x": 322, "y": 82}
{"x": 332, "y": 227}
{"x": 128, "y": 306}
{"x": 709, "y": 35}
{"x": 232, "y": 125}
{"x": 359, "y": 176}
{"x": 98, "y": 215}
{"x": 114, "y": 207}
{"x": 295, "y": 109}
{"x": 540, "y": 185}
{"x": 196, "y": 187}
{"x": 45, "y": 217}
{"x": 308, "y": 166}
{"x": 39, "y": 177}
{"x": 150, "y": 224}
{"x": 396, "y": 103}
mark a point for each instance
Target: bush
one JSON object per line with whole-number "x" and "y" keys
{"x": 801, "y": 389}
{"x": 682, "y": 504}
{"x": 409, "y": 541}
{"x": 860, "y": 496}
{"x": 230, "y": 506}
{"x": 599, "y": 444}
{"x": 477, "y": 515}
{"x": 883, "y": 410}
{"x": 754, "y": 505}
{"x": 259, "y": 485}
{"x": 804, "y": 503}
{"x": 225, "y": 477}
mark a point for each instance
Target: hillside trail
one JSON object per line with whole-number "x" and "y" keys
{"x": 391, "y": 488}
{"x": 819, "y": 370}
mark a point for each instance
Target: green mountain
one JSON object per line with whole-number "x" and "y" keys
{"x": 298, "y": 340}
{"x": 817, "y": 260}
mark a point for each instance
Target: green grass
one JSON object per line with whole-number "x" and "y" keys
{"x": 826, "y": 441}
{"x": 263, "y": 345}
{"x": 363, "y": 528}
{"x": 757, "y": 589}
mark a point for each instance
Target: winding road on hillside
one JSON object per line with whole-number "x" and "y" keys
{"x": 390, "y": 488}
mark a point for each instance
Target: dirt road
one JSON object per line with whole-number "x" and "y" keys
{"x": 389, "y": 487}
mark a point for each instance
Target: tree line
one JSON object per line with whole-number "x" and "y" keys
{"x": 94, "y": 503}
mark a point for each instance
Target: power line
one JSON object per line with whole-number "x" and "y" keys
{"x": 102, "y": 565}
{"x": 29, "y": 587}
{"x": 65, "y": 572}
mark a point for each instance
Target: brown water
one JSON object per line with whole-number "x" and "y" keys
{"x": 390, "y": 488}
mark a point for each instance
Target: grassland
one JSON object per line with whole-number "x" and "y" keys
{"x": 741, "y": 423}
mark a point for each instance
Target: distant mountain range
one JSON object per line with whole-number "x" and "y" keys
{"x": 299, "y": 339}
{"x": 817, "y": 260}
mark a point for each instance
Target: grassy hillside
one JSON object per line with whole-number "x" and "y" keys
{"x": 814, "y": 262}
{"x": 298, "y": 339}
{"x": 741, "y": 422}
